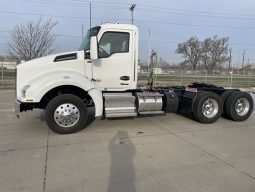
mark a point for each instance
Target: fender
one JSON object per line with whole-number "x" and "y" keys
{"x": 43, "y": 83}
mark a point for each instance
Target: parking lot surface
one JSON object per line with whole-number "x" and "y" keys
{"x": 169, "y": 153}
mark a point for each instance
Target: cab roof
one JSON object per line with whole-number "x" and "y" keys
{"x": 119, "y": 26}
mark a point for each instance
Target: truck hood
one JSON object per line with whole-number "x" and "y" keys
{"x": 45, "y": 60}
{"x": 30, "y": 70}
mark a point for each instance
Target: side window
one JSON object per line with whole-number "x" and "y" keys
{"x": 113, "y": 42}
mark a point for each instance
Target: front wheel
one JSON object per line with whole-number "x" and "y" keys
{"x": 66, "y": 114}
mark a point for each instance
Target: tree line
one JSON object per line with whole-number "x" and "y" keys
{"x": 210, "y": 53}
{"x": 35, "y": 39}
{"x": 31, "y": 40}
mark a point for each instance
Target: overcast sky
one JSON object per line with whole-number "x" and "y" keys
{"x": 170, "y": 22}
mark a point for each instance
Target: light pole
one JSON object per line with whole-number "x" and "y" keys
{"x": 3, "y": 74}
{"x": 132, "y": 12}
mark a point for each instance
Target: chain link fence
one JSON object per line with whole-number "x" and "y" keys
{"x": 177, "y": 78}
{"x": 184, "y": 78}
{"x": 7, "y": 75}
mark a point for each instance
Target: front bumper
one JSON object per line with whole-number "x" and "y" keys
{"x": 17, "y": 105}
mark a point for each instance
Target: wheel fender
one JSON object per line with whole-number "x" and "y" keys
{"x": 97, "y": 97}
{"x": 40, "y": 85}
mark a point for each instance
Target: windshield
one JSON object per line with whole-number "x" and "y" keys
{"x": 85, "y": 45}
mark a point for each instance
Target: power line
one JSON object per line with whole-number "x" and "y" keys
{"x": 197, "y": 25}
{"x": 144, "y": 7}
{"x": 71, "y": 4}
{"x": 156, "y": 9}
{"x": 101, "y": 2}
{"x": 140, "y": 20}
{"x": 56, "y": 16}
{"x": 196, "y": 14}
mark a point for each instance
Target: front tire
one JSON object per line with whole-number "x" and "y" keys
{"x": 66, "y": 114}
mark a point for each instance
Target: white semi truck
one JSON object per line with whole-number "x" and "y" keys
{"x": 103, "y": 74}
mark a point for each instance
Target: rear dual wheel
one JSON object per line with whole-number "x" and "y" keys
{"x": 238, "y": 106}
{"x": 207, "y": 107}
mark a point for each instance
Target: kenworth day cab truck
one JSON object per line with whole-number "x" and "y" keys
{"x": 103, "y": 74}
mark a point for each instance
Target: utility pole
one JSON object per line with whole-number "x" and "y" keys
{"x": 132, "y": 12}
{"x": 149, "y": 62}
{"x": 90, "y": 17}
{"x": 2, "y": 74}
{"x": 230, "y": 59}
{"x": 82, "y": 32}
{"x": 238, "y": 61}
{"x": 243, "y": 61}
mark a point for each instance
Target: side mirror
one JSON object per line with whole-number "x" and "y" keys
{"x": 93, "y": 48}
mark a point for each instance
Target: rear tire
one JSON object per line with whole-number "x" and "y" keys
{"x": 207, "y": 107}
{"x": 238, "y": 106}
{"x": 66, "y": 114}
{"x": 224, "y": 97}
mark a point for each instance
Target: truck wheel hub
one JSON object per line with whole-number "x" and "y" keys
{"x": 210, "y": 108}
{"x": 242, "y": 106}
{"x": 66, "y": 115}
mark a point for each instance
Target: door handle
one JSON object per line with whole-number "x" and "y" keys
{"x": 124, "y": 78}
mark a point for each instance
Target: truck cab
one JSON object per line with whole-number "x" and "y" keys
{"x": 116, "y": 48}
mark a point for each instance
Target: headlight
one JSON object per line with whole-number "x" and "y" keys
{"x": 24, "y": 90}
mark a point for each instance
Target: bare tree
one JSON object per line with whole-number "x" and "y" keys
{"x": 205, "y": 56}
{"x": 32, "y": 40}
{"x": 191, "y": 51}
{"x": 214, "y": 52}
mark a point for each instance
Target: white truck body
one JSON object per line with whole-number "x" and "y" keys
{"x": 37, "y": 77}
{"x": 103, "y": 74}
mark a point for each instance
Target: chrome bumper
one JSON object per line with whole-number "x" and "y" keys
{"x": 17, "y": 108}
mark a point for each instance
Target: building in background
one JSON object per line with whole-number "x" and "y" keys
{"x": 7, "y": 63}
{"x": 157, "y": 71}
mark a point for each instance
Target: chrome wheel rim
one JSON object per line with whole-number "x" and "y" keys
{"x": 242, "y": 106}
{"x": 66, "y": 115}
{"x": 210, "y": 108}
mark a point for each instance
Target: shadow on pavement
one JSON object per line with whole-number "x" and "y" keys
{"x": 122, "y": 173}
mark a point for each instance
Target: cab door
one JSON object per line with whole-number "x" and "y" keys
{"x": 113, "y": 69}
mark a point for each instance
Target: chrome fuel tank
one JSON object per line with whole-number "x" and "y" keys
{"x": 149, "y": 102}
